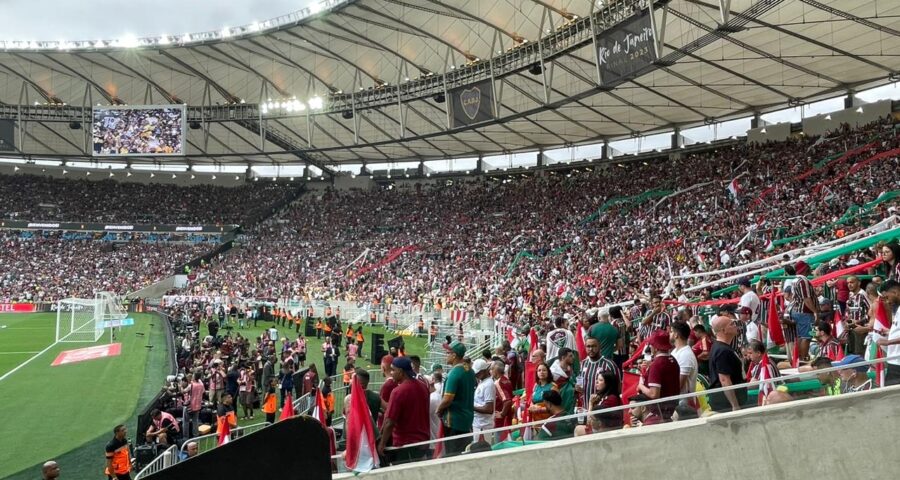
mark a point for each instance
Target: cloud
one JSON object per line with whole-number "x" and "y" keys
{"x": 109, "y": 19}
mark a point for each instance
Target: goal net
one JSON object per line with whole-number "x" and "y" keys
{"x": 84, "y": 319}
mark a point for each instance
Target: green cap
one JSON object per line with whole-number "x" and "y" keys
{"x": 458, "y": 348}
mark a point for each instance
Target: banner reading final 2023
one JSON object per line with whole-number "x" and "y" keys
{"x": 626, "y": 51}
{"x": 472, "y": 104}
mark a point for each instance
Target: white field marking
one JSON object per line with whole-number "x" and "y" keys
{"x": 26, "y": 362}
{"x": 16, "y": 353}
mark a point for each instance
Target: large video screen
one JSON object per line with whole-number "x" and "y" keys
{"x": 139, "y": 130}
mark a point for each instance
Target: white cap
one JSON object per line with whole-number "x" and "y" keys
{"x": 853, "y": 262}
{"x": 479, "y": 365}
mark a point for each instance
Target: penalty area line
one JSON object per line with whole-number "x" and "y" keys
{"x": 26, "y": 362}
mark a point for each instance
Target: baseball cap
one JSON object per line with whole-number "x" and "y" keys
{"x": 458, "y": 348}
{"x": 852, "y": 361}
{"x": 745, "y": 311}
{"x": 801, "y": 267}
{"x": 405, "y": 364}
{"x": 479, "y": 366}
{"x": 853, "y": 262}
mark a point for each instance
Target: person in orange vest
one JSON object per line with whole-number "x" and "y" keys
{"x": 329, "y": 400}
{"x": 226, "y": 413}
{"x": 348, "y": 374}
{"x": 118, "y": 455}
{"x": 372, "y": 318}
{"x": 275, "y": 315}
{"x": 319, "y": 328}
{"x": 297, "y": 321}
{"x": 432, "y": 332}
{"x": 271, "y": 401}
{"x": 349, "y": 334}
{"x": 360, "y": 339}
{"x": 421, "y": 326}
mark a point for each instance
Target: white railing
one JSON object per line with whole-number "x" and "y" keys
{"x": 161, "y": 462}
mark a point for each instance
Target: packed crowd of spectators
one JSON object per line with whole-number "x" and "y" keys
{"x": 38, "y": 198}
{"x": 464, "y": 238}
{"x": 138, "y": 131}
{"x": 53, "y": 265}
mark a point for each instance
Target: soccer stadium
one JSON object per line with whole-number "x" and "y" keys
{"x": 418, "y": 238}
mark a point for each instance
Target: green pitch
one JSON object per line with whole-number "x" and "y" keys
{"x": 55, "y": 410}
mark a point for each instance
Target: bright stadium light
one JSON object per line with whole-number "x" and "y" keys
{"x": 254, "y": 27}
{"x": 226, "y": 32}
{"x": 164, "y": 40}
{"x": 128, "y": 41}
{"x": 316, "y": 103}
{"x": 315, "y": 8}
{"x": 213, "y": 177}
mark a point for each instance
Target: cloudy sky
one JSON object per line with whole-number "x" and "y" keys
{"x": 110, "y": 19}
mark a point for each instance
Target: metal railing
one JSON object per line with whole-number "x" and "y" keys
{"x": 581, "y": 415}
{"x": 164, "y": 460}
{"x": 208, "y": 442}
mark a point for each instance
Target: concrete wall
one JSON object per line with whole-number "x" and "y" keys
{"x": 856, "y": 116}
{"x": 851, "y": 436}
{"x": 776, "y": 132}
{"x": 156, "y": 290}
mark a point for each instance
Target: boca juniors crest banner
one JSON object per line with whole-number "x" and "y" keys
{"x": 626, "y": 50}
{"x": 472, "y": 104}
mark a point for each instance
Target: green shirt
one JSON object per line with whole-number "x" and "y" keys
{"x": 461, "y": 384}
{"x": 567, "y": 392}
{"x": 607, "y": 335}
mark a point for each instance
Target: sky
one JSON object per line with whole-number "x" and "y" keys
{"x": 109, "y": 19}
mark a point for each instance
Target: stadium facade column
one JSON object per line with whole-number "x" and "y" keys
{"x": 755, "y": 121}
{"x": 677, "y": 139}
{"x": 848, "y": 100}
{"x": 605, "y": 151}
{"x": 421, "y": 168}
{"x": 540, "y": 158}
{"x": 479, "y": 165}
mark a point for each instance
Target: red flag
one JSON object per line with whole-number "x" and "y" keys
{"x": 288, "y": 410}
{"x": 764, "y": 374}
{"x": 881, "y": 324}
{"x": 361, "y": 454}
{"x": 510, "y": 336}
{"x": 579, "y": 342}
{"x": 319, "y": 411}
{"x": 774, "y": 323}
{"x": 795, "y": 354}
{"x": 629, "y": 389}
{"x": 224, "y": 433}
{"x": 532, "y": 341}
{"x": 840, "y": 328}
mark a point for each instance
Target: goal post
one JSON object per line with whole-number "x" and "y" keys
{"x": 83, "y": 319}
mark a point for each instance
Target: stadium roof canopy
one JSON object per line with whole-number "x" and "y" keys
{"x": 383, "y": 63}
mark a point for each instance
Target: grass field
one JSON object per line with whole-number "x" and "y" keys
{"x": 414, "y": 346}
{"x": 67, "y": 412}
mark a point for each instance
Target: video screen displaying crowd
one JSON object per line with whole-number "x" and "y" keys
{"x": 48, "y": 266}
{"x": 38, "y": 198}
{"x": 138, "y": 131}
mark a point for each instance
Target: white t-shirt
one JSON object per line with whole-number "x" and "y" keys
{"x": 753, "y": 332}
{"x": 894, "y": 334}
{"x": 687, "y": 362}
{"x": 485, "y": 393}
{"x": 751, "y": 301}
{"x": 434, "y": 401}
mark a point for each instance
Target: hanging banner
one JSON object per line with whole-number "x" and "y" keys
{"x": 472, "y": 104}
{"x": 7, "y": 136}
{"x": 626, "y": 50}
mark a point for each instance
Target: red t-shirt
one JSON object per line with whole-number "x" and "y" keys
{"x": 385, "y": 394}
{"x": 408, "y": 408}
{"x": 665, "y": 374}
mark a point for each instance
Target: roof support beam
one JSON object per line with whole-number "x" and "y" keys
{"x": 853, "y": 18}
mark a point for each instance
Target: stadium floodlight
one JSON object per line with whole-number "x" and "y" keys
{"x": 828, "y": 117}
{"x": 237, "y": 177}
{"x": 87, "y": 174}
{"x": 859, "y": 110}
{"x": 152, "y": 174}
{"x": 127, "y": 174}
{"x": 226, "y": 32}
{"x": 213, "y": 177}
{"x": 316, "y": 103}
{"x": 128, "y": 41}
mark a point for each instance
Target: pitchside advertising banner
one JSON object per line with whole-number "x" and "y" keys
{"x": 626, "y": 50}
{"x": 124, "y": 227}
{"x": 472, "y": 104}
{"x": 18, "y": 308}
